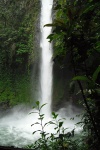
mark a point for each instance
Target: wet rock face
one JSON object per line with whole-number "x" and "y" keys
{"x": 4, "y": 105}
{"x": 4, "y": 108}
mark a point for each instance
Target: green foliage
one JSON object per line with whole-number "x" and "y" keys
{"x": 17, "y": 33}
{"x": 17, "y": 49}
{"x": 59, "y": 140}
{"x": 76, "y": 30}
{"x": 91, "y": 81}
{"x": 71, "y": 22}
{"x": 13, "y": 92}
{"x": 96, "y": 73}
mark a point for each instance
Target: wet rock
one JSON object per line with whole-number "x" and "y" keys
{"x": 4, "y": 105}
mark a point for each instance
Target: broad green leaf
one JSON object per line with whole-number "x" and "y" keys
{"x": 95, "y": 74}
{"x": 81, "y": 78}
{"x": 60, "y": 124}
{"x": 50, "y": 37}
{"x": 37, "y": 103}
{"x": 49, "y": 25}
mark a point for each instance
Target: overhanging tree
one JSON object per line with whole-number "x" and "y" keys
{"x": 76, "y": 32}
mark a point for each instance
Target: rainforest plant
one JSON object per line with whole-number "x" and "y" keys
{"x": 47, "y": 140}
{"x": 60, "y": 139}
{"x": 76, "y": 33}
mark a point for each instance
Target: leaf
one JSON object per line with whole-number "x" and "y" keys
{"x": 54, "y": 115}
{"x": 79, "y": 123}
{"x": 58, "y": 24}
{"x": 46, "y": 124}
{"x": 55, "y": 128}
{"x": 41, "y": 118}
{"x": 42, "y": 115}
{"x": 95, "y": 74}
{"x": 60, "y": 124}
{"x": 37, "y": 103}
{"x": 81, "y": 78}
{"x": 49, "y": 25}
{"x": 33, "y": 112}
{"x": 43, "y": 105}
{"x": 36, "y": 131}
{"x": 33, "y": 107}
{"x": 51, "y": 122}
{"x": 50, "y": 37}
{"x": 35, "y": 123}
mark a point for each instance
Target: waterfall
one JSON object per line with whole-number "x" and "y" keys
{"x": 15, "y": 124}
{"x": 46, "y": 64}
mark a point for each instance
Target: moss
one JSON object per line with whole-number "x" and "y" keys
{"x": 17, "y": 49}
{"x": 15, "y": 90}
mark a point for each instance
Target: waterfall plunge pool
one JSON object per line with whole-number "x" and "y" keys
{"x": 16, "y": 129}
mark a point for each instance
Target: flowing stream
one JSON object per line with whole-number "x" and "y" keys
{"x": 15, "y": 126}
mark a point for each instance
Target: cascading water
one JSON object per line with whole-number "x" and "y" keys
{"x": 15, "y": 127}
{"x": 46, "y": 55}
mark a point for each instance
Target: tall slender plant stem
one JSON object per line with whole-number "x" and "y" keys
{"x": 84, "y": 98}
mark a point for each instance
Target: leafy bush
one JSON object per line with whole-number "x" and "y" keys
{"x": 60, "y": 139}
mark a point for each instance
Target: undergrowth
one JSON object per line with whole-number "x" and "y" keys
{"x": 60, "y": 139}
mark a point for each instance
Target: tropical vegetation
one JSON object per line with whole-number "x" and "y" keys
{"x": 75, "y": 35}
{"x": 18, "y": 21}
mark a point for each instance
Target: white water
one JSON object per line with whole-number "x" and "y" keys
{"x": 15, "y": 127}
{"x": 46, "y": 56}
